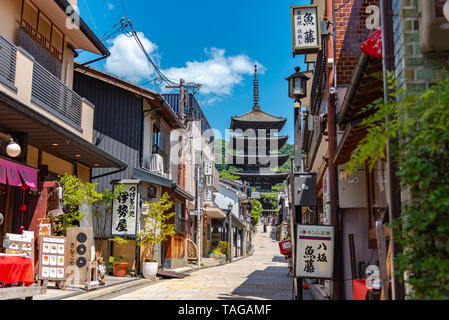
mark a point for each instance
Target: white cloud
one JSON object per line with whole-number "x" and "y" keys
{"x": 218, "y": 74}
{"x": 110, "y": 6}
{"x": 128, "y": 61}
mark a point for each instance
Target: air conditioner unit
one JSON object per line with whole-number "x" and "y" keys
{"x": 157, "y": 164}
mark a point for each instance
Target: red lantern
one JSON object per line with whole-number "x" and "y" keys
{"x": 21, "y": 229}
{"x": 23, "y": 207}
{"x": 24, "y": 187}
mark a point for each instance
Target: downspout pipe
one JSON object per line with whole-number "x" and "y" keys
{"x": 338, "y": 292}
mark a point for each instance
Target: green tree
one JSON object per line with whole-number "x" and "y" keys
{"x": 256, "y": 210}
{"x": 421, "y": 124}
{"x": 75, "y": 194}
{"x": 156, "y": 228}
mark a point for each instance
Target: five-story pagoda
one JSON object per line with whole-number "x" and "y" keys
{"x": 254, "y": 146}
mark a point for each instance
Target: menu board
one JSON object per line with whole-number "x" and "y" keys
{"x": 18, "y": 244}
{"x": 52, "y": 258}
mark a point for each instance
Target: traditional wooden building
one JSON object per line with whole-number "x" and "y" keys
{"x": 137, "y": 125}
{"x": 39, "y": 110}
{"x": 254, "y": 144}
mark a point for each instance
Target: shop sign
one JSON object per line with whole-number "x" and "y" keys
{"x": 305, "y": 29}
{"x": 207, "y": 194}
{"x": 124, "y": 211}
{"x": 208, "y": 168}
{"x": 373, "y": 45}
{"x": 195, "y": 212}
{"x": 315, "y": 251}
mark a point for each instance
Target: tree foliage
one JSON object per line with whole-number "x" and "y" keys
{"x": 256, "y": 210}
{"x": 157, "y": 228}
{"x": 421, "y": 125}
{"x": 75, "y": 194}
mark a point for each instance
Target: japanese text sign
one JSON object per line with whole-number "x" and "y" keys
{"x": 305, "y": 29}
{"x": 124, "y": 211}
{"x": 315, "y": 252}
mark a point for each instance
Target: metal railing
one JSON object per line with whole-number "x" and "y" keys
{"x": 8, "y": 55}
{"x": 50, "y": 93}
{"x": 191, "y": 112}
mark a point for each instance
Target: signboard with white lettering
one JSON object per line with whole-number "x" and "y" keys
{"x": 208, "y": 168}
{"x": 196, "y": 212}
{"x": 124, "y": 211}
{"x": 305, "y": 29}
{"x": 208, "y": 194}
{"x": 315, "y": 251}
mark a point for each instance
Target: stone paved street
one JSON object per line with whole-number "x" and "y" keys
{"x": 260, "y": 276}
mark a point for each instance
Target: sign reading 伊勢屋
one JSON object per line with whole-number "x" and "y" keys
{"x": 305, "y": 29}
{"x": 315, "y": 251}
{"x": 124, "y": 211}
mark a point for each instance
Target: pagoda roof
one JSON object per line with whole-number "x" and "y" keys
{"x": 248, "y": 160}
{"x": 262, "y": 177}
{"x": 256, "y": 141}
{"x": 256, "y": 118}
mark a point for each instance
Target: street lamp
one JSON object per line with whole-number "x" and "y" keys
{"x": 446, "y": 10}
{"x": 230, "y": 205}
{"x": 297, "y": 85}
{"x": 12, "y": 149}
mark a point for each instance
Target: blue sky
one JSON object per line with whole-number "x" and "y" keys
{"x": 214, "y": 43}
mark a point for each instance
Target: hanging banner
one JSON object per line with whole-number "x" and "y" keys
{"x": 305, "y": 29}
{"x": 13, "y": 171}
{"x": 2, "y": 173}
{"x": 124, "y": 212}
{"x": 315, "y": 252}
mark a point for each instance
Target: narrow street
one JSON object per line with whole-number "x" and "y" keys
{"x": 262, "y": 276}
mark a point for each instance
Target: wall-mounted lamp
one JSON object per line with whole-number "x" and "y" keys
{"x": 12, "y": 149}
{"x": 446, "y": 10}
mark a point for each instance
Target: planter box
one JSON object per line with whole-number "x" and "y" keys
{"x": 219, "y": 257}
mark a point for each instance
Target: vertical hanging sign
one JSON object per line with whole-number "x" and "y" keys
{"x": 315, "y": 252}
{"x": 305, "y": 29}
{"x": 124, "y": 212}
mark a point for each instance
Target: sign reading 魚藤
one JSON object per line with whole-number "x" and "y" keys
{"x": 315, "y": 252}
{"x": 124, "y": 211}
{"x": 305, "y": 29}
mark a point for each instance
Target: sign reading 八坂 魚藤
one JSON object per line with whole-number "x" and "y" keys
{"x": 315, "y": 252}
{"x": 124, "y": 211}
{"x": 305, "y": 29}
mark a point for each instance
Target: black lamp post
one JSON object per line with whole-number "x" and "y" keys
{"x": 230, "y": 205}
{"x": 297, "y": 85}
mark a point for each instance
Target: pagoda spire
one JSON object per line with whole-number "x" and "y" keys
{"x": 256, "y": 106}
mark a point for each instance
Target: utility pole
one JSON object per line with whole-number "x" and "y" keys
{"x": 199, "y": 217}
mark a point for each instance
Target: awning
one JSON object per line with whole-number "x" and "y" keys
{"x": 10, "y": 173}
{"x": 237, "y": 223}
{"x": 214, "y": 212}
{"x": 153, "y": 178}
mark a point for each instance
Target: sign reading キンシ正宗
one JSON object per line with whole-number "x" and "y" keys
{"x": 124, "y": 211}
{"x": 305, "y": 29}
{"x": 315, "y": 251}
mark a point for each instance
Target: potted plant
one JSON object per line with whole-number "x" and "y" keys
{"x": 156, "y": 229}
{"x": 119, "y": 265}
